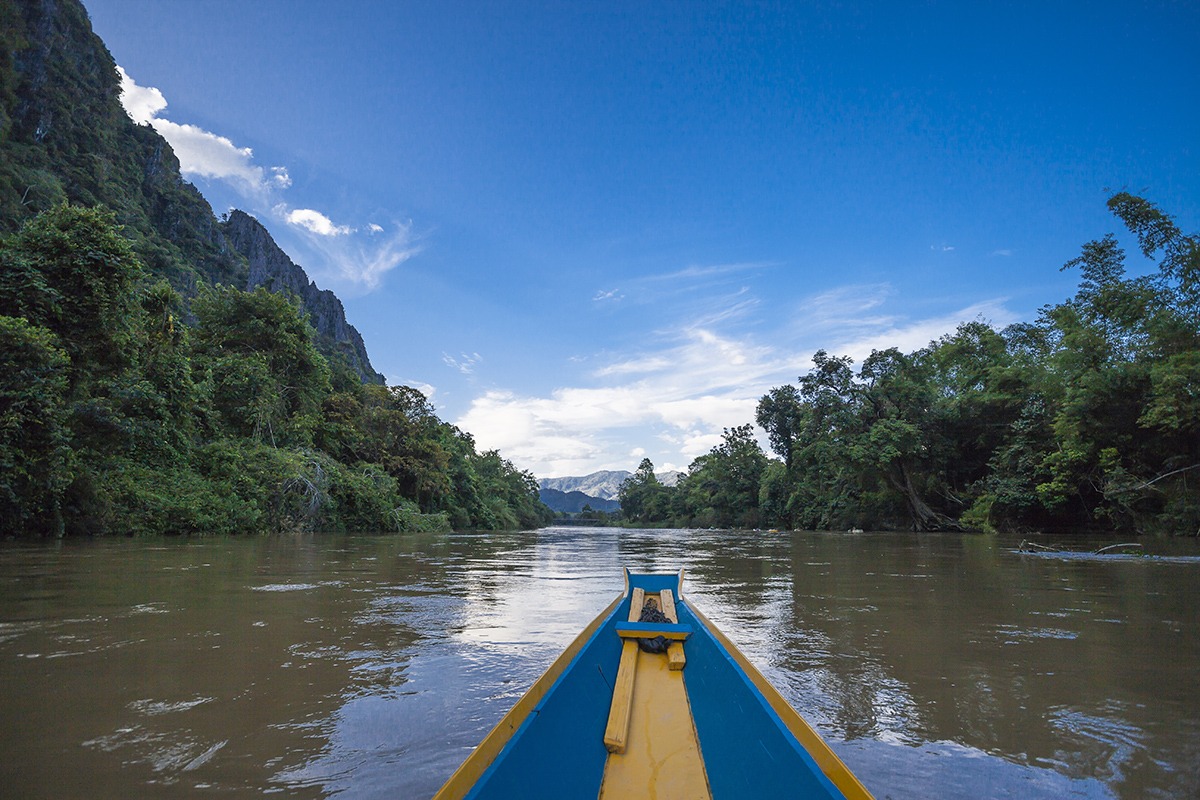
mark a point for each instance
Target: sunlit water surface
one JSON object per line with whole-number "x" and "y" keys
{"x": 368, "y": 667}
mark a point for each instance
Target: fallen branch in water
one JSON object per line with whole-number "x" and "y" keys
{"x": 1027, "y": 546}
{"x": 1125, "y": 546}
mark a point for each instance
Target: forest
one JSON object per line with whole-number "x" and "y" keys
{"x": 1086, "y": 419}
{"x": 118, "y": 417}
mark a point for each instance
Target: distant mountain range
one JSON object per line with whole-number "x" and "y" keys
{"x": 574, "y": 502}
{"x": 603, "y": 487}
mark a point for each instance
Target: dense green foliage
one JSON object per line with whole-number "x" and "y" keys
{"x": 1088, "y": 417}
{"x": 115, "y": 417}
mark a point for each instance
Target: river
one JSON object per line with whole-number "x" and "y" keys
{"x": 368, "y": 666}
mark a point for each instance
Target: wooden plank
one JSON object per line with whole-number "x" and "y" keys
{"x": 666, "y": 601}
{"x": 676, "y": 660}
{"x": 649, "y": 630}
{"x": 663, "y": 758}
{"x": 616, "y": 734}
{"x": 635, "y": 604}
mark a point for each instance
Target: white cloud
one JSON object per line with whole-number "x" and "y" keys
{"x": 142, "y": 103}
{"x": 427, "y": 389}
{"x": 701, "y": 383}
{"x": 671, "y": 402}
{"x": 208, "y": 155}
{"x": 316, "y": 222}
{"x": 357, "y": 263}
{"x": 200, "y": 152}
{"x": 1004, "y": 252}
{"x": 612, "y": 294}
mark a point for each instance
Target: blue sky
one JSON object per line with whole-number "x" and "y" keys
{"x": 597, "y": 232}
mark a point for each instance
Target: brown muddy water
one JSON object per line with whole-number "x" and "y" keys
{"x": 367, "y": 667}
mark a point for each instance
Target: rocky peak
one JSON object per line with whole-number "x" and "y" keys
{"x": 272, "y": 268}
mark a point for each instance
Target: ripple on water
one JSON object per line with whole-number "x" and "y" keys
{"x": 165, "y": 753}
{"x": 150, "y": 608}
{"x": 156, "y": 707}
{"x": 1103, "y": 743}
{"x": 294, "y": 587}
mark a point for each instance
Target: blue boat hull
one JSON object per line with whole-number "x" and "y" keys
{"x": 714, "y": 728}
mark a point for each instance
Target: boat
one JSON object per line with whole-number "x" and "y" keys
{"x": 651, "y": 700}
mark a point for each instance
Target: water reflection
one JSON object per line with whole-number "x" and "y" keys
{"x": 368, "y": 667}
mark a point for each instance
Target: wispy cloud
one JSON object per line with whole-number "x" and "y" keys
{"x": 357, "y": 258}
{"x": 708, "y": 281}
{"x": 910, "y": 335}
{"x": 465, "y": 363}
{"x": 674, "y": 397}
{"x": 1004, "y": 252}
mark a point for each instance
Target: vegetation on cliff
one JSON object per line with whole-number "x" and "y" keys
{"x": 65, "y": 137}
{"x": 117, "y": 418}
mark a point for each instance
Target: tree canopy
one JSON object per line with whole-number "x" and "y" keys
{"x": 1086, "y": 418}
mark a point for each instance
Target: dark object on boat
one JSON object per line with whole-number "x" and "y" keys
{"x": 650, "y": 613}
{"x": 611, "y": 720}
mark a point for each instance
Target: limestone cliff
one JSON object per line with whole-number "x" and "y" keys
{"x": 64, "y": 137}
{"x": 271, "y": 267}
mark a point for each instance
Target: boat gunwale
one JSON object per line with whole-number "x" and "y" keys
{"x": 812, "y": 742}
{"x": 484, "y": 755}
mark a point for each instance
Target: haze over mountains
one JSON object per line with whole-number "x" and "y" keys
{"x": 605, "y": 484}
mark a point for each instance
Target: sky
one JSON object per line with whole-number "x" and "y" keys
{"x": 593, "y": 233}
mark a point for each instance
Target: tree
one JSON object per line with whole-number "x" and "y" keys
{"x": 75, "y": 275}
{"x": 267, "y": 379}
{"x": 780, "y": 414}
{"x": 35, "y": 458}
{"x": 642, "y": 496}
{"x": 722, "y": 487}
{"x": 1127, "y": 434}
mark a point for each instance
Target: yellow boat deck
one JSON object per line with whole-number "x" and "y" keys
{"x": 661, "y": 753}
{"x": 611, "y": 720}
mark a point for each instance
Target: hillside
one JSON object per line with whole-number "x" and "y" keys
{"x": 574, "y": 502}
{"x": 64, "y": 137}
{"x": 165, "y": 372}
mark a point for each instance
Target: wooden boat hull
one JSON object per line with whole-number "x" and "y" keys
{"x": 608, "y": 720}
